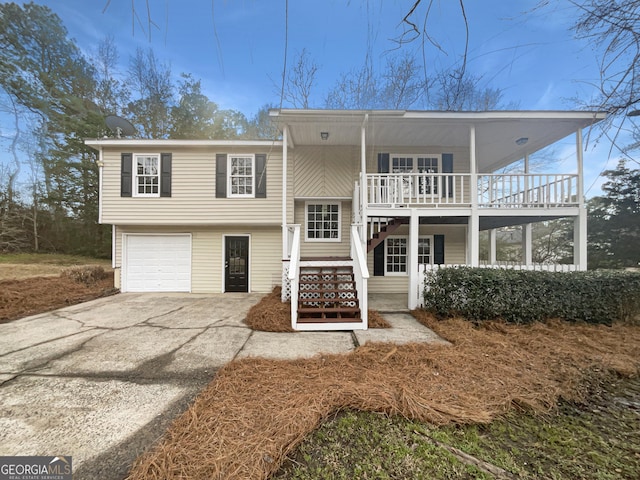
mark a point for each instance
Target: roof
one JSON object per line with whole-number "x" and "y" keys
{"x": 169, "y": 143}
{"x": 496, "y": 131}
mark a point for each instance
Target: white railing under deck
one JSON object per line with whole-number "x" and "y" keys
{"x": 391, "y": 189}
{"x": 527, "y": 190}
{"x": 294, "y": 273}
{"x": 454, "y": 190}
{"x": 360, "y": 273}
{"x": 423, "y": 269}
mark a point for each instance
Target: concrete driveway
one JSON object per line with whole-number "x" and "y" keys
{"x": 101, "y": 381}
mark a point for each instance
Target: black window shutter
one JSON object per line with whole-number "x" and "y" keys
{"x": 126, "y": 174}
{"x": 383, "y": 163}
{"x": 221, "y": 175}
{"x": 378, "y": 260}
{"x": 165, "y": 174}
{"x": 447, "y": 167}
{"x": 261, "y": 176}
{"x": 438, "y": 249}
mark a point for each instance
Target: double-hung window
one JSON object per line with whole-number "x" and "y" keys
{"x": 146, "y": 182}
{"x": 323, "y": 222}
{"x": 241, "y": 178}
{"x": 396, "y": 254}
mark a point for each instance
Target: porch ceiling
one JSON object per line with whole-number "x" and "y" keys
{"x": 496, "y": 132}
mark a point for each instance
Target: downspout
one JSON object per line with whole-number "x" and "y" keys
{"x": 285, "y": 232}
{"x": 113, "y": 246}
{"x": 100, "y": 168}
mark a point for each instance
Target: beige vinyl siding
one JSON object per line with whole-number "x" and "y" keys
{"x": 454, "y": 253}
{"x": 193, "y": 198}
{"x": 207, "y": 275}
{"x": 325, "y": 249}
{"x": 323, "y": 171}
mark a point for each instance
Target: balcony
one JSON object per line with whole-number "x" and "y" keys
{"x": 453, "y": 190}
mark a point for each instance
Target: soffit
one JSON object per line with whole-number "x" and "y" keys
{"x": 496, "y": 132}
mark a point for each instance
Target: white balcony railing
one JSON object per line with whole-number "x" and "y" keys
{"x": 454, "y": 190}
{"x": 527, "y": 190}
{"x": 391, "y": 189}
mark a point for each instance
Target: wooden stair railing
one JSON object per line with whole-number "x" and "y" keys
{"x": 384, "y": 232}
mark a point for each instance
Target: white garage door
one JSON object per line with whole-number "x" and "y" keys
{"x": 157, "y": 263}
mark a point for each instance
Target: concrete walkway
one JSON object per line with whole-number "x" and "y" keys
{"x": 101, "y": 381}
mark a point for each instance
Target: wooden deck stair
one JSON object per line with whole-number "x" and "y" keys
{"x": 327, "y": 294}
{"x": 384, "y": 232}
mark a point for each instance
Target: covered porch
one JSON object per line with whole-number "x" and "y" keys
{"x": 408, "y": 168}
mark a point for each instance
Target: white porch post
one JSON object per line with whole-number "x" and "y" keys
{"x": 285, "y": 232}
{"x": 580, "y": 222}
{"x": 412, "y": 260}
{"x": 580, "y": 239}
{"x": 492, "y": 247}
{"x": 527, "y": 257}
{"x": 527, "y": 231}
{"x": 473, "y": 228}
{"x": 364, "y": 187}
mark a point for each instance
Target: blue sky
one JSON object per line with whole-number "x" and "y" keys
{"x": 236, "y": 47}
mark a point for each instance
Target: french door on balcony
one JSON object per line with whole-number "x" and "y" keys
{"x": 416, "y": 186}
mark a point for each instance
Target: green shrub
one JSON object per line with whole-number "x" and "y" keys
{"x": 520, "y": 296}
{"x": 87, "y": 275}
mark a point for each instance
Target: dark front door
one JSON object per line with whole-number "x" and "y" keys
{"x": 236, "y": 264}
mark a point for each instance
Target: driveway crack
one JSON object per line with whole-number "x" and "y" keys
{"x": 28, "y": 347}
{"x": 146, "y": 322}
{"x": 243, "y": 345}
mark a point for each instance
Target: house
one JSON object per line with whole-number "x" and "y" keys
{"x": 346, "y": 205}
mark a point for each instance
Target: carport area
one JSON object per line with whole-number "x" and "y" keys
{"x": 102, "y": 380}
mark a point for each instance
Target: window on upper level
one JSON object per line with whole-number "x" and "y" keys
{"x": 241, "y": 177}
{"x": 146, "y": 177}
{"x": 323, "y": 222}
{"x": 417, "y": 164}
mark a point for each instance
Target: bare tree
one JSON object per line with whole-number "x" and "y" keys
{"x": 457, "y": 90}
{"x": 151, "y": 80}
{"x": 403, "y": 86}
{"x": 357, "y": 89}
{"x": 300, "y": 81}
{"x": 398, "y": 86}
{"x": 10, "y": 169}
{"x": 111, "y": 93}
{"x": 613, "y": 28}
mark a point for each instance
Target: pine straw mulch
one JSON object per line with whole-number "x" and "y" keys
{"x": 271, "y": 314}
{"x": 30, "y": 296}
{"x": 256, "y": 411}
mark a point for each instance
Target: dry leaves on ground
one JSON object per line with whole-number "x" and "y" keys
{"x": 256, "y": 411}
{"x": 30, "y": 296}
{"x": 271, "y": 314}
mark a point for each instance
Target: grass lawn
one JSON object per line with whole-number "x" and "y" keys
{"x": 15, "y": 266}
{"x": 596, "y": 439}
